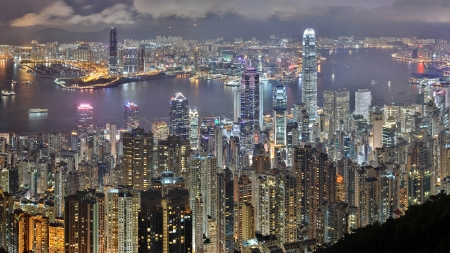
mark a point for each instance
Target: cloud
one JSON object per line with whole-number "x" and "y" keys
{"x": 55, "y": 12}
{"x": 60, "y": 13}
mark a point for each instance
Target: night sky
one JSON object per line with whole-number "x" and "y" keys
{"x": 234, "y": 18}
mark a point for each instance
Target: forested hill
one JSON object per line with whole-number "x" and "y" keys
{"x": 424, "y": 228}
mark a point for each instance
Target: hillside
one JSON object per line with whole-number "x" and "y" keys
{"x": 424, "y": 228}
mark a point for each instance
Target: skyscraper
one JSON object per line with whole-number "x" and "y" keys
{"x": 279, "y": 114}
{"x": 329, "y": 103}
{"x": 250, "y": 103}
{"x": 179, "y": 116}
{"x": 342, "y": 107}
{"x": 113, "y": 51}
{"x": 85, "y": 118}
{"x": 236, "y": 106}
{"x": 193, "y": 129}
{"x": 363, "y": 100}
{"x": 309, "y": 73}
{"x": 137, "y": 159}
{"x": 131, "y": 116}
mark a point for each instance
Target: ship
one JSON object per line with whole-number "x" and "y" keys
{"x": 14, "y": 82}
{"x": 7, "y": 93}
{"x": 233, "y": 83}
{"x": 332, "y": 76}
{"x": 374, "y": 82}
{"x": 38, "y": 110}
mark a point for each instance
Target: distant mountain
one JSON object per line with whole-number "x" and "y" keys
{"x": 424, "y": 228}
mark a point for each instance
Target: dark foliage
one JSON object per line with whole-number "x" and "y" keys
{"x": 424, "y": 228}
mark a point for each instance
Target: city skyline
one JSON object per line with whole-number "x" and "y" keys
{"x": 256, "y": 147}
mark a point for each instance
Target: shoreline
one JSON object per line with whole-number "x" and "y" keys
{"x": 114, "y": 83}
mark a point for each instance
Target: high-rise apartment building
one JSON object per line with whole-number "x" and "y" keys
{"x": 138, "y": 159}
{"x": 131, "y": 116}
{"x": 173, "y": 154}
{"x": 85, "y": 118}
{"x": 122, "y": 208}
{"x": 309, "y": 72}
{"x": 179, "y": 116}
{"x": 363, "y": 100}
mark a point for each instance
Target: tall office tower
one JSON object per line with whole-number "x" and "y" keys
{"x": 297, "y": 109}
{"x": 113, "y": 140}
{"x": 141, "y": 59}
{"x": 218, "y": 144}
{"x": 165, "y": 222}
{"x": 407, "y": 122}
{"x": 392, "y": 110}
{"x": 306, "y": 135}
{"x": 179, "y": 116}
{"x": 309, "y": 73}
{"x": 193, "y": 129}
{"x": 329, "y": 103}
{"x": 173, "y": 155}
{"x": 363, "y": 100}
{"x": 113, "y": 52}
{"x": 342, "y": 108}
{"x": 122, "y": 208}
{"x": 196, "y": 65}
{"x": 138, "y": 159}
{"x": 131, "y": 116}
{"x": 243, "y": 194}
{"x": 377, "y": 121}
{"x": 236, "y": 106}
{"x": 250, "y": 106}
{"x": 160, "y": 130}
{"x": 81, "y": 222}
{"x": 85, "y": 118}
{"x": 280, "y": 114}
{"x": 390, "y": 133}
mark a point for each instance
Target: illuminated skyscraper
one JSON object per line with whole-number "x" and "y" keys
{"x": 250, "y": 103}
{"x": 113, "y": 51}
{"x": 85, "y": 118}
{"x": 363, "y": 100}
{"x": 160, "y": 130}
{"x": 329, "y": 105}
{"x": 342, "y": 107}
{"x": 131, "y": 116}
{"x": 236, "y": 106}
{"x": 193, "y": 129}
{"x": 279, "y": 114}
{"x": 179, "y": 116}
{"x": 309, "y": 73}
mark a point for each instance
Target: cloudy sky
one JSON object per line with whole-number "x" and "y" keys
{"x": 361, "y": 17}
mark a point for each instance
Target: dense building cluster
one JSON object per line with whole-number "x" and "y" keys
{"x": 301, "y": 178}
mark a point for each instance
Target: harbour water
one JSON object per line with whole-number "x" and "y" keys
{"x": 353, "y": 71}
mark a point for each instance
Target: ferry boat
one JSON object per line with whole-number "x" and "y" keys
{"x": 8, "y": 93}
{"x": 14, "y": 82}
{"x": 332, "y": 76}
{"x": 233, "y": 83}
{"x": 38, "y": 110}
{"x": 374, "y": 82}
